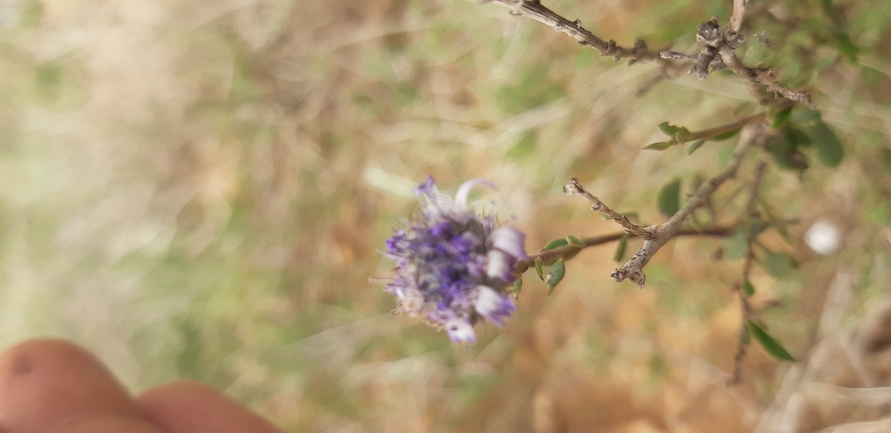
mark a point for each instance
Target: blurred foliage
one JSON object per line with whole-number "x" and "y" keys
{"x": 199, "y": 190}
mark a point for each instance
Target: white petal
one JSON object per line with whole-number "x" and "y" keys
{"x": 493, "y": 306}
{"x": 487, "y": 300}
{"x": 464, "y": 191}
{"x": 460, "y": 331}
{"x": 509, "y": 240}
{"x": 500, "y": 265}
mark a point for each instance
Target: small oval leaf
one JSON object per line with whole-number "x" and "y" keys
{"x": 556, "y": 243}
{"x": 696, "y": 144}
{"x": 620, "y": 249}
{"x": 735, "y": 245}
{"x": 747, "y": 288}
{"x": 662, "y": 145}
{"x": 770, "y": 344}
{"x": 516, "y": 287}
{"x": 669, "y": 198}
{"x": 781, "y": 118}
{"x": 555, "y": 275}
{"x": 538, "y": 270}
{"x": 574, "y": 241}
{"x": 725, "y": 135}
{"x": 802, "y": 115}
{"x": 667, "y": 129}
{"x": 829, "y": 148}
{"x": 778, "y": 265}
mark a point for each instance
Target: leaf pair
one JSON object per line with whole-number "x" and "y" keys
{"x": 554, "y": 276}
{"x": 681, "y": 135}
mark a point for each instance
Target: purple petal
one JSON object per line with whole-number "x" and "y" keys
{"x": 493, "y": 306}
{"x": 393, "y": 242}
{"x": 442, "y": 230}
{"x": 465, "y": 242}
{"x": 509, "y": 240}
{"x": 426, "y": 188}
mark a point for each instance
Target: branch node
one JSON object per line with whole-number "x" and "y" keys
{"x": 709, "y": 32}
{"x": 706, "y": 54}
{"x": 635, "y": 275}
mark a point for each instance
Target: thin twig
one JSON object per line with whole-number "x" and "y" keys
{"x": 717, "y": 54}
{"x": 535, "y": 10}
{"x": 766, "y": 77}
{"x": 567, "y": 250}
{"x": 745, "y": 307}
{"x": 736, "y": 17}
{"x": 576, "y": 188}
{"x": 711, "y": 132}
{"x": 633, "y": 268}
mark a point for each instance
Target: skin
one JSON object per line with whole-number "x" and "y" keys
{"x": 53, "y": 386}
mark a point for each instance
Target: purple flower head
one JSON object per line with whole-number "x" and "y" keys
{"x": 454, "y": 265}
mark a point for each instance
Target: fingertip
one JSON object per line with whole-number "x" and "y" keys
{"x": 45, "y": 383}
{"x": 193, "y": 407}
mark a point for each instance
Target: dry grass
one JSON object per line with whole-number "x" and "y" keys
{"x": 199, "y": 189}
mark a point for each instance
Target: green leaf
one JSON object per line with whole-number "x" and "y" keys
{"x": 735, "y": 245}
{"x": 620, "y": 248}
{"x": 801, "y": 115}
{"x": 785, "y": 152}
{"x": 682, "y": 135}
{"x": 797, "y": 138}
{"x": 669, "y": 198}
{"x": 781, "y": 118}
{"x": 669, "y": 130}
{"x": 847, "y": 47}
{"x": 556, "y": 243}
{"x": 537, "y": 264}
{"x": 770, "y": 344}
{"x": 516, "y": 287}
{"x": 555, "y": 275}
{"x": 778, "y": 265}
{"x": 696, "y": 145}
{"x": 829, "y": 148}
{"x": 574, "y": 241}
{"x": 725, "y": 135}
{"x": 662, "y": 145}
{"x": 747, "y": 288}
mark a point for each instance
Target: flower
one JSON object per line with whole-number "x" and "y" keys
{"x": 453, "y": 265}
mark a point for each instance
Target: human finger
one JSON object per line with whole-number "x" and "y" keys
{"x": 191, "y": 407}
{"x": 50, "y": 385}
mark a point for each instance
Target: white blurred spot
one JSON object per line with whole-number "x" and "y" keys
{"x": 823, "y": 237}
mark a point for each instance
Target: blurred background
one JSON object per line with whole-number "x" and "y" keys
{"x": 200, "y": 189}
